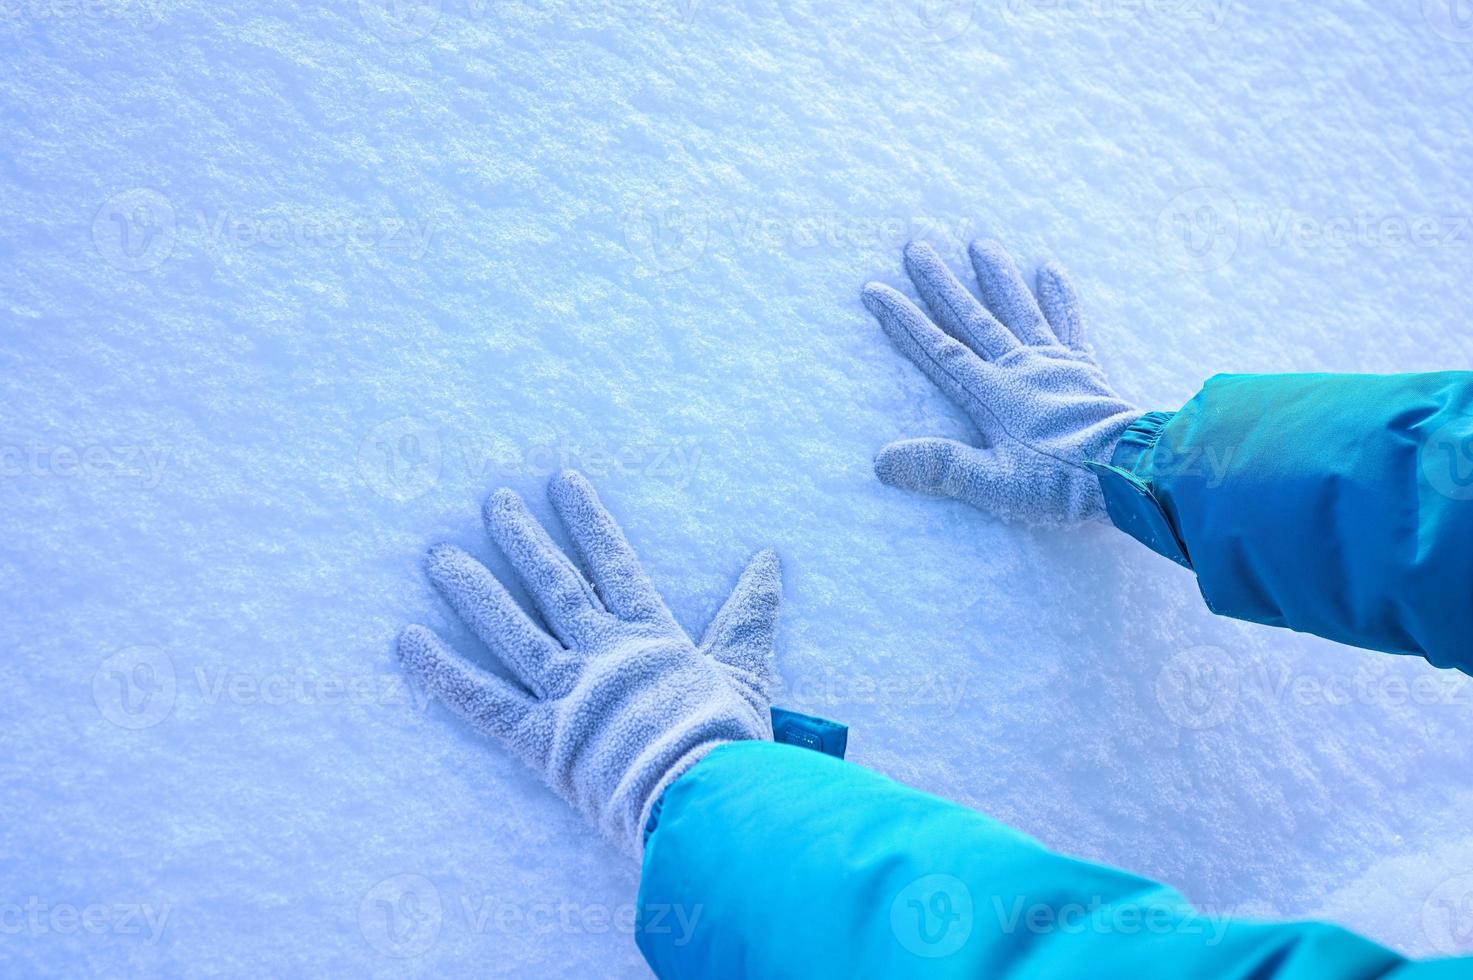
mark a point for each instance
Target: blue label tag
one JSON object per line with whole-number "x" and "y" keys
{"x": 809, "y": 732}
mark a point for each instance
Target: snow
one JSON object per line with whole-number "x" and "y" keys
{"x": 287, "y": 289}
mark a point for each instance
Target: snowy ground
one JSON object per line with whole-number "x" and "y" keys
{"x": 286, "y": 289}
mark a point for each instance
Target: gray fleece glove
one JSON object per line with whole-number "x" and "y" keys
{"x": 617, "y": 702}
{"x": 1020, "y": 368}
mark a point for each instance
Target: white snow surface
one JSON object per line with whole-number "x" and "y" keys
{"x": 240, "y": 400}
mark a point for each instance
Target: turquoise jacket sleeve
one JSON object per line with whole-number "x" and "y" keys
{"x": 1339, "y": 505}
{"x": 775, "y": 861}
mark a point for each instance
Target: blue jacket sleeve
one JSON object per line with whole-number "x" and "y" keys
{"x": 775, "y": 861}
{"x": 1339, "y": 505}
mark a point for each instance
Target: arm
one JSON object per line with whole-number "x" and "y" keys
{"x": 1332, "y": 504}
{"x": 1339, "y": 505}
{"x": 769, "y": 860}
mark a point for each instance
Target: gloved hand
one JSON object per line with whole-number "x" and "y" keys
{"x": 1021, "y": 371}
{"x": 618, "y": 702}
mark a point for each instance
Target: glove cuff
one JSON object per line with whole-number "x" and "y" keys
{"x": 649, "y": 816}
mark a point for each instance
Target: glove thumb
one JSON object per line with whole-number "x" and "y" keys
{"x": 744, "y": 630}
{"x": 940, "y": 467}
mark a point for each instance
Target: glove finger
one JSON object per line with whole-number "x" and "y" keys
{"x": 1007, "y": 295}
{"x": 955, "y": 310}
{"x": 745, "y": 629}
{"x": 626, "y": 590}
{"x": 566, "y": 600}
{"x": 1060, "y": 304}
{"x": 486, "y": 701}
{"x": 537, "y": 660}
{"x": 939, "y": 467}
{"x": 950, "y": 364}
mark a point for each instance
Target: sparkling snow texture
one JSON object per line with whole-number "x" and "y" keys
{"x": 287, "y": 289}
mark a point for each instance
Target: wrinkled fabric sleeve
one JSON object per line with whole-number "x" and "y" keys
{"x": 775, "y": 861}
{"x": 1335, "y": 504}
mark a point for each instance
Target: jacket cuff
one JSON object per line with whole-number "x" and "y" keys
{"x": 788, "y": 727}
{"x": 1125, "y": 482}
{"x": 649, "y": 817}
